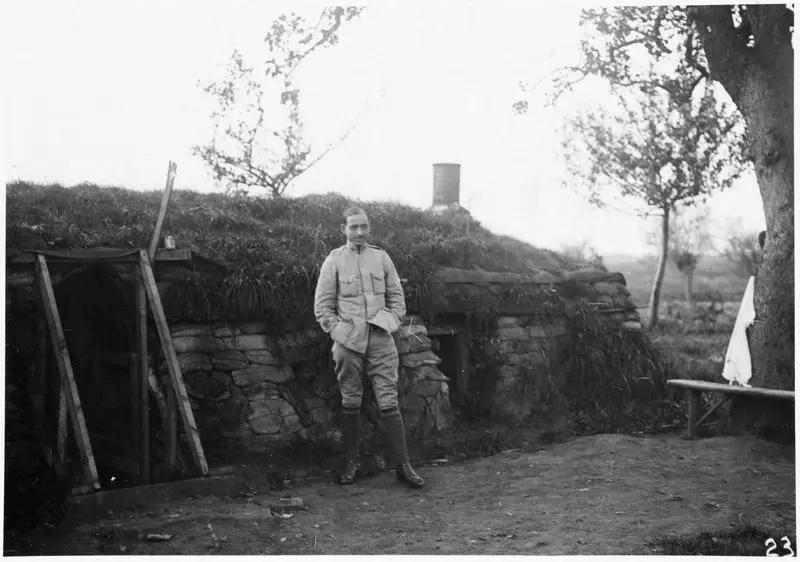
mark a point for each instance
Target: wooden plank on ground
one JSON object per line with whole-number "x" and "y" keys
{"x": 172, "y": 169}
{"x": 182, "y": 398}
{"x": 94, "y": 507}
{"x": 142, "y": 372}
{"x": 757, "y": 392}
{"x": 70, "y": 388}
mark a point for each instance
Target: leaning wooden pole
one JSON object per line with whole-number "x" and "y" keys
{"x": 172, "y": 170}
{"x": 181, "y": 396}
{"x": 142, "y": 384}
{"x": 68, "y": 386}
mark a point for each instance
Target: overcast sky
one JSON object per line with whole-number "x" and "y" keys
{"x": 107, "y": 92}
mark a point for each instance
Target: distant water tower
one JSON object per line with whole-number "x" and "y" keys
{"x": 446, "y": 186}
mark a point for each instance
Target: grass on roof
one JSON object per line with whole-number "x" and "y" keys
{"x": 273, "y": 248}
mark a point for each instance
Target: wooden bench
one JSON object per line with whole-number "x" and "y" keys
{"x": 694, "y": 388}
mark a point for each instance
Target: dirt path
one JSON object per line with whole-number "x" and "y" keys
{"x": 604, "y": 494}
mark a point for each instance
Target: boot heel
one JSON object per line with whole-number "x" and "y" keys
{"x": 405, "y": 473}
{"x": 350, "y": 473}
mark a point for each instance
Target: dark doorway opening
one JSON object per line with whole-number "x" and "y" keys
{"x": 452, "y": 347}
{"x": 96, "y": 307}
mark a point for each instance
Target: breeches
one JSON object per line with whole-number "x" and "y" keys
{"x": 379, "y": 363}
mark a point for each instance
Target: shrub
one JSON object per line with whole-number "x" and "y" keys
{"x": 614, "y": 377}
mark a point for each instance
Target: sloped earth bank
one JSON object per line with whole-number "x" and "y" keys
{"x": 603, "y": 494}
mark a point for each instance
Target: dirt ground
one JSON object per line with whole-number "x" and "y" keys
{"x": 603, "y": 494}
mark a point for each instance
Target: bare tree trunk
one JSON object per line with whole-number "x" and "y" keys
{"x": 655, "y": 293}
{"x": 688, "y": 279}
{"x": 759, "y": 80}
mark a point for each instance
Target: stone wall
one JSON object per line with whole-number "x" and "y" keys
{"x": 254, "y": 390}
{"x": 520, "y": 359}
{"x": 517, "y": 359}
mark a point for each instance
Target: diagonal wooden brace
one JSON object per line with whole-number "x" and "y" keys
{"x": 710, "y": 411}
{"x": 68, "y": 388}
{"x": 181, "y": 396}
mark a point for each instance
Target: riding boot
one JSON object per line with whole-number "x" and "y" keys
{"x": 396, "y": 437}
{"x": 351, "y": 422}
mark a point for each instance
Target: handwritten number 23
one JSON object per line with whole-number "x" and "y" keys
{"x": 787, "y": 544}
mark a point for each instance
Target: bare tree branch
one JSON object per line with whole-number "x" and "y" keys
{"x": 245, "y": 152}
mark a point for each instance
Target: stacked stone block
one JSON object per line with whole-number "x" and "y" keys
{"x": 422, "y": 387}
{"x": 521, "y": 351}
{"x": 516, "y": 368}
{"x": 259, "y": 390}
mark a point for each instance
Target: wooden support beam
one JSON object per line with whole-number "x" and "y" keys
{"x": 63, "y": 429}
{"x": 37, "y": 390}
{"x": 155, "y": 390}
{"x": 171, "y": 421}
{"x": 168, "y": 422}
{"x": 54, "y": 457}
{"x": 40, "y": 384}
{"x": 711, "y": 410}
{"x": 68, "y": 385}
{"x": 142, "y": 384}
{"x": 462, "y": 366}
{"x": 133, "y": 385}
{"x": 56, "y": 262}
{"x": 694, "y": 405}
{"x": 182, "y": 398}
{"x": 172, "y": 169}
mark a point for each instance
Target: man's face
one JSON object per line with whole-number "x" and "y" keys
{"x": 356, "y": 229}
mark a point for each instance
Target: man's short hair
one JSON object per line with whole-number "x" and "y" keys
{"x": 350, "y": 211}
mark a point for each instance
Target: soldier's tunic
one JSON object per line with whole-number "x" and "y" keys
{"x": 359, "y": 302}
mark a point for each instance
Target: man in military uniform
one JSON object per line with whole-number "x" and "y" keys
{"x": 359, "y": 301}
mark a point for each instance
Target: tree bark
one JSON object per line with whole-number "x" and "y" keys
{"x": 688, "y": 278}
{"x": 759, "y": 81}
{"x": 655, "y": 293}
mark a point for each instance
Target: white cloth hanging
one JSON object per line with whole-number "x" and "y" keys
{"x": 737, "y": 359}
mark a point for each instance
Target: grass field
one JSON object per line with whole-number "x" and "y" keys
{"x": 713, "y": 276}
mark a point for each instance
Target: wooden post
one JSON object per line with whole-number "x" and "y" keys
{"x": 142, "y": 384}
{"x": 53, "y": 457}
{"x": 133, "y": 371}
{"x": 711, "y": 410}
{"x": 168, "y": 421}
{"x": 40, "y": 384}
{"x": 462, "y": 366}
{"x": 181, "y": 396}
{"x": 155, "y": 390}
{"x": 172, "y": 169}
{"x": 68, "y": 386}
{"x": 171, "y": 421}
{"x": 694, "y": 412}
{"x": 63, "y": 429}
